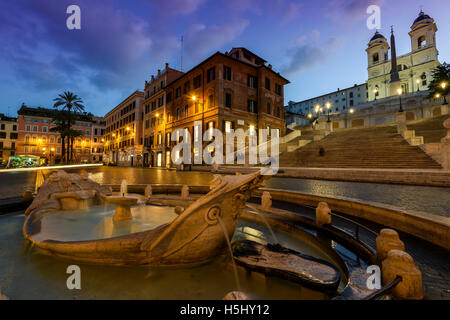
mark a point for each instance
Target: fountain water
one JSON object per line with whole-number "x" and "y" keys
{"x": 261, "y": 215}
{"x": 123, "y": 188}
{"x": 236, "y": 277}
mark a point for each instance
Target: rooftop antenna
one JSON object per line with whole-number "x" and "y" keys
{"x": 181, "y": 66}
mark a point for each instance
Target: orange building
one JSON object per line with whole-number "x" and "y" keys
{"x": 35, "y": 137}
{"x": 226, "y": 91}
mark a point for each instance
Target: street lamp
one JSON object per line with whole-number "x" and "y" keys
{"x": 443, "y": 86}
{"x": 418, "y": 85}
{"x": 400, "y": 92}
{"x": 352, "y": 110}
{"x": 328, "y": 106}
{"x": 375, "y": 93}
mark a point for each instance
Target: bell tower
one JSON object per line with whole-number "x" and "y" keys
{"x": 423, "y": 33}
{"x": 377, "y": 50}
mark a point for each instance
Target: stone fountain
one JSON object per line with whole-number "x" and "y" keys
{"x": 195, "y": 236}
{"x": 123, "y": 203}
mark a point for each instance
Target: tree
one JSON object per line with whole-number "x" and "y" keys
{"x": 71, "y": 103}
{"x": 60, "y": 120}
{"x": 440, "y": 74}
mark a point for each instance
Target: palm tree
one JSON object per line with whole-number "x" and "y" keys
{"x": 61, "y": 127}
{"x": 71, "y": 103}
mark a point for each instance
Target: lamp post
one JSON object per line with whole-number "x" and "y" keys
{"x": 375, "y": 93}
{"x": 400, "y": 92}
{"x": 443, "y": 86}
{"x": 328, "y": 106}
{"x": 418, "y": 85}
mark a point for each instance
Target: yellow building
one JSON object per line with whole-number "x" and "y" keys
{"x": 413, "y": 70}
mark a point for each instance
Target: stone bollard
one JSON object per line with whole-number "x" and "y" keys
{"x": 266, "y": 200}
{"x": 185, "y": 192}
{"x": 387, "y": 240}
{"x": 323, "y": 214}
{"x": 179, "y": 210}
{"x": 399, "y": 263}
{"x": 236, "y": 295}
{"x": 27, "y": 196}
{"x": 148, "y": 191}
{"x": 214, "y": 167}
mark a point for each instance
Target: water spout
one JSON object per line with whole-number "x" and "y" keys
{"x": 236, "y": 277}
{"x": 123, "y": 188}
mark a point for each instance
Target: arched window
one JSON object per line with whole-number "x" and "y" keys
{"x": 375, "y": 57}
{"x": 421, "y": 42}
{"x": 27, "y": 138}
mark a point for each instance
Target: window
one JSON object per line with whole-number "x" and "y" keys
{"x": 251, "y": 81}
{"x": 269, "y": 108}
{"x": 197, "y": 81}
{"x": 28, "y": 128}
{"x": 147, "y": 108}
{"x": 279, "y": 112}
{"x": 178, "y": 92}
{"x": 159, "y": 138}
{"x": 2, "y": 126}
{"x": 421, "y": 42}
{"x": 278, "y": 89}
{"x": 211, "y": 74}
{"x": 160, "y": 101}
{"x": 44, "y": 129}
{"x": 226, "y": 73}
{"x": 186, "y": 111}
{"x": 147, "y": 124}
{"x": 178, "y": 114}
{"x": 211, "y": 101}
{"x": 228, "y": 126}
{"x": 375, "y": 57}
{"x": 252, "y": 106}
{"x": 35, "y": 128}
{"x": 186, "y": 87}
{"x": 169, "y": 97}
{"x": 168, "y": 139}
{"x": 267, "y": 83}
{"x": 228, "y": 100}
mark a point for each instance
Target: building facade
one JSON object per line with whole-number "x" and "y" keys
{"x": 123, "y": 132}
{"x": 339, "y": 101}
{"x": 226, "y": 91}
{"x": 8, "y": 138}
{"x": 97, "y": 142}
{"x": 35, "y": 137}
{"x": 412, "y": 72}
{"x": 414, "y": 68}
{"x": 155, "y": 117}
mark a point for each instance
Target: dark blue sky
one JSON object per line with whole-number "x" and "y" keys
{"x": 318, "y": 45}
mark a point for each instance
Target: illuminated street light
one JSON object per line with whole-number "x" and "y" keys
{"x": 418, "y": 85}
{"x": 400, "y": 92}
{"x": 309, "y": 115}
{"x": 194, "y": 98}
{"x": 443, "y": 86}
{"x": 352, "y": 110}
{"x": 328, "y": 106}
{"x": 375, "y": 92}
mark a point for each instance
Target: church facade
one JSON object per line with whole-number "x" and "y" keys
{"x": 410, "y": 72}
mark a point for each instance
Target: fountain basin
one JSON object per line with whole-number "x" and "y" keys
{"x": 123, "y": 205}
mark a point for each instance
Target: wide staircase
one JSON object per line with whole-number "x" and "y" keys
{"x": 432, "y": 129}
{"x": 376, "y": 147}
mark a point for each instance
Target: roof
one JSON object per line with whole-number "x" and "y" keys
{"x": 218, "y": 53}
{"x": 377, "y": 35}
{"x": 135, "y": 93}
{"x": 422, "y": 16}
{"x": 48, "y": 113}
{"x": 250, "y": 52}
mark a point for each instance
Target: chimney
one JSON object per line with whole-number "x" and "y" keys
{"x": 153, "y": 78}
{"x": 159, "y": 73}
{"x": 167, "y": 66}
{"x": 270, "y": 66}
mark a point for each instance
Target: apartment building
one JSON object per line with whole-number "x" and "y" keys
{"x": 123, "y": 132}
{"x": 226, "y": 91}
{"x": 8, "y": 138}
{"x": 35, "y": 137}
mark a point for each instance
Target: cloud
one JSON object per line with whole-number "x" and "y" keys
{"x": 348, "y": 12}
{"x": 176, "y": 7}
{"x": 305, "y": 53}
{"x": 291, "y": 12}
{"x": 201, "y": 40}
